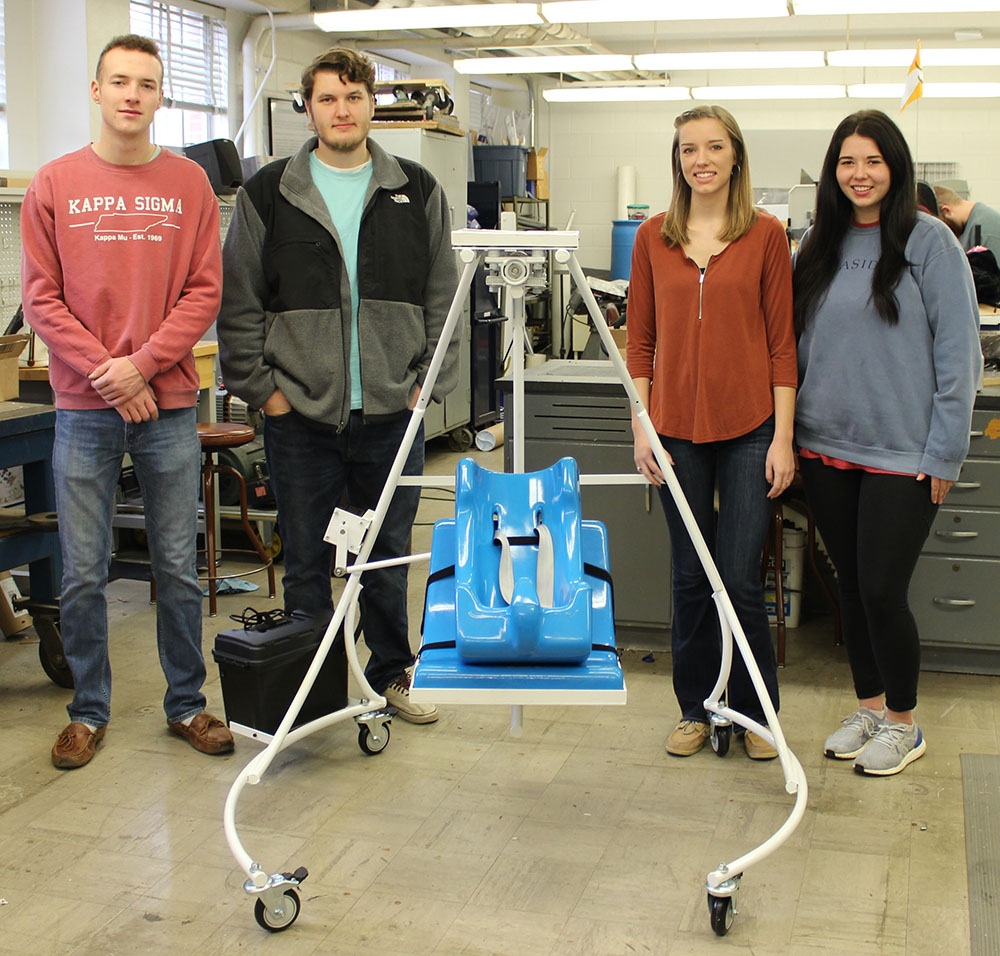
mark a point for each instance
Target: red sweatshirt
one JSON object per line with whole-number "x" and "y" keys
{"x": 121, "y": 261}
{"x": 714, "y": 347}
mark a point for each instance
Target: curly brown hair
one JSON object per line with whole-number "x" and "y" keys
{"x": 349, "y": 65}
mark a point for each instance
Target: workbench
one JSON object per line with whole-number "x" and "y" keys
{"x": 26, "y": 435}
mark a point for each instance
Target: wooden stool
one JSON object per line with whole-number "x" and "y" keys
{"x": 214, "y": 435}
{"x": 771, "y": 562}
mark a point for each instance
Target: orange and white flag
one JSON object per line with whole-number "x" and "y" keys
{"x": 914, "y": 87}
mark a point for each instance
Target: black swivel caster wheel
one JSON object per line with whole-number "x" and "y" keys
{"x": 721, "y": 912}
{"x": 721, "y": 739}
{"x": 277, "y": 922}
{"x": 371, "y": 743}
{"x": 461, "y": 439}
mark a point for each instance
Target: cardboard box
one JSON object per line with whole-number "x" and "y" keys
{"x": 537, "y": 172}
{"x": 11, "y": 346}
{"x": 11, "y": 622}
{"x": 621, "y": 339}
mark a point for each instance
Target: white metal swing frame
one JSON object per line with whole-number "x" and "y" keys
{"x": 515, "y": 259}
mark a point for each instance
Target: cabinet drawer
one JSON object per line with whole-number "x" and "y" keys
{"x": 578, "y": 418}
{"x": 978, "y": 485}
{"x": 962, "y": 532}
{"x": 985, "y": 441}
{"x": 956, "y": 601}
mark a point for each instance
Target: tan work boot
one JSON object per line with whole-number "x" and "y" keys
{"x": 688, "y": 738}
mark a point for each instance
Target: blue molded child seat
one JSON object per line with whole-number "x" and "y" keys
{"x": 520, "y": 591}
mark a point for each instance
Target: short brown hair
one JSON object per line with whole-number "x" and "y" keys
{"x": 349, "y": 65}
{"x": 130, "y": 41}
{"x": 742, "y": 213}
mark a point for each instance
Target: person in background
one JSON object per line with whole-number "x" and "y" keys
{"x": 120, "y": 294}
{"x": 339, "y": 274}
{"x": 711, "y": 350}
{"x": 975, "y": 223}
{"x": 888, "y": 358}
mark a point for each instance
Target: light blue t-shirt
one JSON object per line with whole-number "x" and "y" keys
{"x": 343, "y": 191}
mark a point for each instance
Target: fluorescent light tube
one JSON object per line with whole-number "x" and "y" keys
{"x": 894, "y": 91}
{"x": 428, "y": 18}
{"x": 854, "y": 7}
{"x": 968, "y": 56}
{"x": 584, "y": 63}
{"x": 615, "y": 94}
{"x": 737, "y": 60}
{"x": 611, "y": 11}
{"x": 769, "y": 92}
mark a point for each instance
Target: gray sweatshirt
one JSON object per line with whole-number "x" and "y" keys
{"x": 894, "y": 397}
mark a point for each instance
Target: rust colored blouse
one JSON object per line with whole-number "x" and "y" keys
{"x": 714, "y": 345}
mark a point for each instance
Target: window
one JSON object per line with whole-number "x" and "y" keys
{"x": 4, "y": 148}
{"x": 195, "y": 53}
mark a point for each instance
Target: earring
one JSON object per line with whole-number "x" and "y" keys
{"x": 736, "y": 169}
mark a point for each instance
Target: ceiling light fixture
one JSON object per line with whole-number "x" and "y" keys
{"x": 769, "y": 92}
{"x": 615, "y": 94}
{"x": 856, "y": 7}
{"x": 616, "y": 11}
{"x": 429, "y": 18}
{"x": 583, "y": 63}
{"x": 894, "y": 91}
{"x": 736, "y": 60}
{"x": 970, "y": 56}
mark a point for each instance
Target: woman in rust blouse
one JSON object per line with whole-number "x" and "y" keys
{"x": 711, "y": 349}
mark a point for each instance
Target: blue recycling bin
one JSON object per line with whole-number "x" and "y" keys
{"x": 622, "y": 240}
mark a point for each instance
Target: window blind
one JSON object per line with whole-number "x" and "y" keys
{"x": 194, "y": 50}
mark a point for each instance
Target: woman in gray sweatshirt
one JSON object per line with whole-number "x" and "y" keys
{"x": 888, "y": 357}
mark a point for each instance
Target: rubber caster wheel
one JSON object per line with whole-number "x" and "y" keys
{"x": 50, "y": 653}
{"x": 721, "y": 739}
{"x": 370, "y": 743}
{"x": 721, "y": 910}
{"x": 461, "y": 439}
{"x": 275, "y": 547}
{"x": 270, "y": 920}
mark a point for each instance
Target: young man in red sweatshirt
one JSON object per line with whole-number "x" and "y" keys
{"x": 121, "y": 275}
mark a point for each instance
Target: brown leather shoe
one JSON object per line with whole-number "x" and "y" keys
{"x": 76, "y": 745}
{"x": 205, "y": 733}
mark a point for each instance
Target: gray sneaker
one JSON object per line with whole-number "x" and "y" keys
{"x": 858, "y": 728}
{"x": 890, "y": 750}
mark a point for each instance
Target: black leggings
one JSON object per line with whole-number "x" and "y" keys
{"x": 874, "y": 527}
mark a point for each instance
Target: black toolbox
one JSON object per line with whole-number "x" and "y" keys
{"x": 262, "y": 665}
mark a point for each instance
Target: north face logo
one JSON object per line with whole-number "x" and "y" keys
{"x": 400, "y": 197}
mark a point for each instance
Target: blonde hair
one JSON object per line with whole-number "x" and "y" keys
{"x": 742, "y": 213}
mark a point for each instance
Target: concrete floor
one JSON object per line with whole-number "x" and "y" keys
{"x": 581, "y": 837}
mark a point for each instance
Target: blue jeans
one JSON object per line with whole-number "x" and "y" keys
{"x": 86, "y": 463}
{"x": 736, "y": 542}
{"x": 311, "y": 466}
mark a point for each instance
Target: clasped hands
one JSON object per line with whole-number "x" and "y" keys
{"x": 122, "y": 386}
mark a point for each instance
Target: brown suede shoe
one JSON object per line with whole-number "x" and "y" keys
{"x": 205, "y": 733}
{"x": 76, "y": 745}
{"x": 688, "y": 737}
{"x": 757, "y": 747}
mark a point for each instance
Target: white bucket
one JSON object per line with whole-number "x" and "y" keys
{"x": 793, "y": 549}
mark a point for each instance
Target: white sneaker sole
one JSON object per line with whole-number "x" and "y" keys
{"x": 914, "y": 754}
{"x": 847, "y": 756}
{"x": 412, "y": 718}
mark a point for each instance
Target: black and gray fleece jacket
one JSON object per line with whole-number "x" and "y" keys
{"x": 285, "y": 321}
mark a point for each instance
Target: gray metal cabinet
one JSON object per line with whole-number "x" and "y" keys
{"x": 955, "y": 591}
{"x": 446, "y": 157}
{"x": 580, "y": 409}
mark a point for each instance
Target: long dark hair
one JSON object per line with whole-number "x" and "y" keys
{"x": 819, "y": 257}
